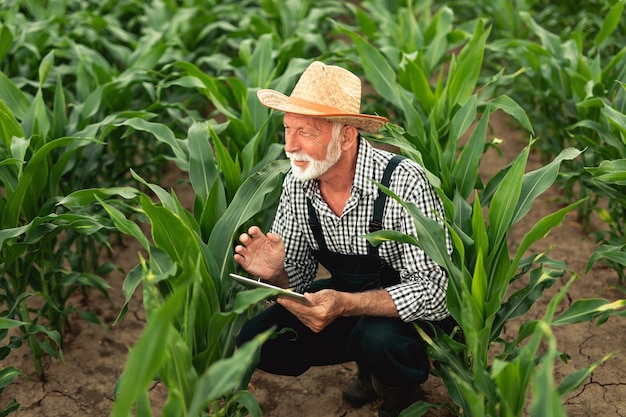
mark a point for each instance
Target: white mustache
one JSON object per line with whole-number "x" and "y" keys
{"x": 299, "y": 156}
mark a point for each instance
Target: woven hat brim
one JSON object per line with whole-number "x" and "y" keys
{"x": 278, "y": 101}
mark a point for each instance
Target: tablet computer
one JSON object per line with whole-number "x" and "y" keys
{"x": 252, "y": 283}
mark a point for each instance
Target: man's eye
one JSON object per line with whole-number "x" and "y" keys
{"x": 305, "y": 134}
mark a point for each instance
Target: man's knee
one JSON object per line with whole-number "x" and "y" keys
{"x": 391, "y": 350}
{"x": 376, "y": 333}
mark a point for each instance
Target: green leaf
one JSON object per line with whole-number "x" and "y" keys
{"x": 172, "y": 235}
{"x": 479, "y": 285}
{"x": 575, "y": 379}
{"x": 36, "y": 121}
{"x": 610, "y": 252}
{"x": 32, "y": 181}
{"x": 546, "y": 400}
{"x": 521, "y": 301}
{"x": 229, "y": 168}
{"x": 14, "y": 98}
{"x": 377, "y": 70}
{"x": 430, "y": 234}
{"x": 11, "y": 233}
{"x": 9, "y": 126}
{"x": 588, "y": 310}
{"x": 163, "y": 134}
{"x": 412, "y": 75}
{"x": 538, "y": 181}
{"x": 10, "y": 324}
{"x": 610, "y": 172}
{"x": 146, "y": 357}
{"x": 59, "y": 118}
{"x": 513, "y": 109}
{"x": 610, "y": 23}
{"x": 8, "y": 375}
{"x": 124, "y": 225}
{"x": 504, "y": 202}
{"x": 202, "y": 170}
{"x": 261, "y": 61}
{"x": 87, "y": 196}
{"x": 540, "y": 230}
{"x": 225, "y": 375}
{"x": 382, "y": 236}
{"x": 248, "y": 201}
{"x": 465, "y": 170}
{"x": 462, "y": 79}
{"x": 6, "y": 41}
{"x": 45, "y": 66}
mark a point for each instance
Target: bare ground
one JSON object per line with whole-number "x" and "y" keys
{"x": 83, "y": 384}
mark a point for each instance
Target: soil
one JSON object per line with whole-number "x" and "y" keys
{"x": 82, "y": 385}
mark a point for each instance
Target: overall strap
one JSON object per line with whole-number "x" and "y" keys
{"x": 315, "y": 226}
{"x": 376, "y": 223}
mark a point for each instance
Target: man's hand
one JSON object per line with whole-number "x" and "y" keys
{"x": 262, "y": 255}
{"x": 327, "y": 306}
{"x": 330, "y": 304}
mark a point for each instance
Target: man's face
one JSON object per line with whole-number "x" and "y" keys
{"x": 311, "y": 145}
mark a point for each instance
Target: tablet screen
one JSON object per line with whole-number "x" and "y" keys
{"x": 252, "y": 283}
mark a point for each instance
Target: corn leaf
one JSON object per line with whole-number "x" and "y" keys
{"x": 513, "y": 109}
{"x": 8, "y": 375}
{"x": 163, "y": 134}
{"x": 505, "y": 200}
{"x": 590, "y": 309}
{"x": 546, "y": 400}
{"x": 225, "y": 375}
{"x": 146, "y": 357}
{"x": 612, "y": 253}
{"x": 25, "y": 198}
{"x": 124, "y": 225}
{"x": 538, "y": 181}
{"x": 575, "y": 379}
{"x": 202, "y": 170}
{"x": 248, "y": 201}
{"x": 539, "y": 231}
{"x": 377, "y": 70}
{"x": 228, "y": 167}
{"x": 13, "y": 97}
{"x": 610, "y": 23}
{"x": 10, "y": 324}
{"x": 87, "y": 196}
{"x": 465, "y": 170}
{"x": 6, "y": 40}
{"x": 463, "y": 78}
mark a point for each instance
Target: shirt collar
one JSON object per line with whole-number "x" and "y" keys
{"x": 365, "y": 170}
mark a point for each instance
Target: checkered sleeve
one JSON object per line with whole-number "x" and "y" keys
{"x": 421, "y": 294}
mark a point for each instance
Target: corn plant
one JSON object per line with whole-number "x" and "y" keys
{"x": 436, "y": 118}
{"x": 578, "y": 75}
{"x": 608, "y": 180}
{"x": 38, "y": 240}
{"x": 189, "y": 301}
{"x": 480, "y": 271}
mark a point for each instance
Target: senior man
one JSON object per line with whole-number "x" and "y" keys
{"x": 367, "y": 310}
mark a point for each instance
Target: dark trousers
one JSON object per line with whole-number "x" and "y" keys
{"x": 389, "y": 349}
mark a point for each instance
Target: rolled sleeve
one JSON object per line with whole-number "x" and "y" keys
{"x": 421, "y": 298}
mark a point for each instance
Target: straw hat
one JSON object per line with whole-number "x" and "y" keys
{"x": 325, "y": 91}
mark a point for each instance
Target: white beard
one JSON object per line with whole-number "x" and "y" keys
{"x": 315, "y": 168}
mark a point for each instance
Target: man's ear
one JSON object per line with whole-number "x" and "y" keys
{"x": 349, "y": 136}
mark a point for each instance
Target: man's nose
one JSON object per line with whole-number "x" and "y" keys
{"x": 291, "y": 142}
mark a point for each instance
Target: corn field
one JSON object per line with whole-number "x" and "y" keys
{"x": 99, "y": 98}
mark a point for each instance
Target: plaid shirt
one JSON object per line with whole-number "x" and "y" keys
{"x": 421, "y": 293}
